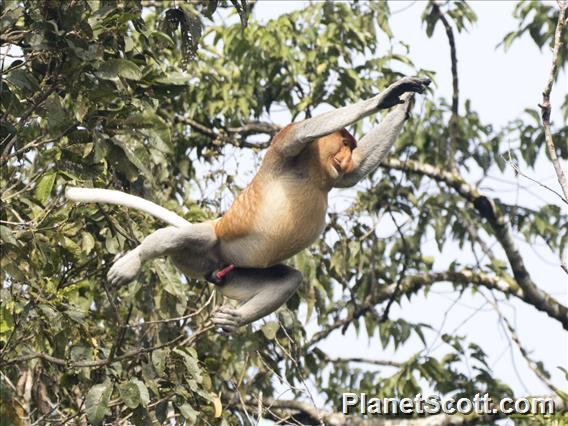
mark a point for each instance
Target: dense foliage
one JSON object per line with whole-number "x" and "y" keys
{"x": 156, "y": 99}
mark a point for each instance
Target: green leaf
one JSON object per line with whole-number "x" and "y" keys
{"x": 141, "y": 417}
{"x": 7, "y": 237}
{"x": 188, "y": 412}
{"x": 23, "y": 80}
{"x": 191, "y": 365}
{"x": 142, "y": 391}
{"x": 161, "y": 411}
{"x": 270, "y": 328}
{"x": 130, "y": 394}
{"x": 87, "y": 242}
{"x": 175, "y": 79}
{"x": 159, "y": 357}
{"x": 71, "y": 246}
{"x": 135, "y": 152}
{"x": 96, "y": 402}
{"x": 44, "y": 186}
{"x": 134, "y": 393}
{"x": 115, "y": 68}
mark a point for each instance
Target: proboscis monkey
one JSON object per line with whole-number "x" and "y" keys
{"x": 281, "y": 212}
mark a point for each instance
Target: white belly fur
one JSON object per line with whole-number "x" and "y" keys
{"x": 288, "y": 221}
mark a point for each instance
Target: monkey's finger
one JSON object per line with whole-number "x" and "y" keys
{"x": 114, "y": 282}
{"x": 423, "y": 82}
{"x": 113, "y": 274}
{"x": 228, "y": 310}
{"x": 224, "y": 322}
{"x": 223, "y": 315}
{"x": 118, "y": 256}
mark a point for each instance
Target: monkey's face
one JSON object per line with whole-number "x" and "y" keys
{"x": 336, "y": 153}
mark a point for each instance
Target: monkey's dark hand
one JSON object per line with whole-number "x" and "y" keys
{"x": 407, "y": 84}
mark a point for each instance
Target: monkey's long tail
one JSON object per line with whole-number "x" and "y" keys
{"x": 94, "y": 195}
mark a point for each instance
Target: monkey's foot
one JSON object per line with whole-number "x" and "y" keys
{"x": 404, "y": 85}
{"x": 226, "y": 318}
{"x": 125, "y": 269}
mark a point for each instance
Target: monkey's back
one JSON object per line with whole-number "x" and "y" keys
{"x": 273, "y": 219}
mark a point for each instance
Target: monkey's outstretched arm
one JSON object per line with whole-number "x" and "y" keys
{"x": 376, "y": 144}
{"x": 260, "y": 291}
{"x": 298, "y": 135}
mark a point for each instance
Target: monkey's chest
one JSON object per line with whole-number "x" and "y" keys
{"x": 288, "y": 220}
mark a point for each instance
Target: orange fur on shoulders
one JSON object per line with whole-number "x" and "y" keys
{"x": 239, "y": 219}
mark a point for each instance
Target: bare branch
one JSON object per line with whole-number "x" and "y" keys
{"x": 383, "y": 363}
{"x": 228, "y": 135}
{"x": 452, "y": 141}
{"x": 256, "y": 127}
{"x": 545, "y": 106}
{"x": 411, "y": 284}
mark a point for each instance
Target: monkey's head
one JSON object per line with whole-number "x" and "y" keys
{"x": 335, "y": 153}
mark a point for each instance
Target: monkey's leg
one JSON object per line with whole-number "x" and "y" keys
{"x": 373, "y": 148}
{"x": 260, "y": 291}
{"x": 195, "y": 239}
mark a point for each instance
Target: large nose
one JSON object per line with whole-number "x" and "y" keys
{"x": 345, "y": 159}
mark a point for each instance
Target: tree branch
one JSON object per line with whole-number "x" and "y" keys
{"x": 501, "y": 227}
{"x": 545, "y": 106}
{"x": 411, "y": 284}
{"x": 383, "y": 363}
{"x": 102, "y": 362}
{"x": 228, "y": 135}
{"x": 452, "y": 141}
{"x": 255, "y": 128}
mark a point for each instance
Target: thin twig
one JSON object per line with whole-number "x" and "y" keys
{"x": 402, "y": 274}
{"x": 184, "y": 317}
{"x": 513, "y": 332}
{"x": 518, "y": 171}
{"x": 299, "y": 370}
